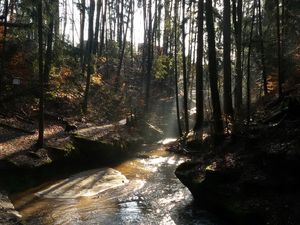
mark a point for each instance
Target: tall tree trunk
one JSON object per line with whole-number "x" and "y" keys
{"x": 73, "y": 26}
{"x": 40, "y": 141}
{"x": 65, "y": 20}
{"x": 262, "y": 48}
{"x": 89, "y": 54}
{"x": 228, "y": 109}
{"x": 97, "y": 28}
{"x": 160, "y": 6}
{"x": 249, "y": 65}
{"x": 237, "y": 19}
{"x": 149, "y": 56}
{"x": 82, "y": 22}
{"x": 56, "y": 26}
{"x": 213, "y": 73}
{"x": 3, "y": 47}
{"x": 278, "y": 27}
{"x": 103, "y": 28}
{"x": 121, "y": 59}
{"x": 199, "y": 72}
{"x": 48, "y": 56}
{"x": 184, "y": 70}
{"x": 167, "y": 21}
{"x": 132, "y": 31}
{"x": 176, "y": 67}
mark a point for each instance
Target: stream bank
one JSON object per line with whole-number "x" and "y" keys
{"x": 253, "y": 178}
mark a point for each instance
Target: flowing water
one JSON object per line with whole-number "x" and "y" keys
{"x": 142, "y": 190}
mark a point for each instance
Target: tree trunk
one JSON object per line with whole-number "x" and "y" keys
{"x": 2, "y": 72}
{"x": 199, "y": 72}
{"x": 213, "y": 73}
{"x": 65, "y": 20}
{"x": 97, "y": 28}
{"x": 40, "y": 141}
{"x": 56, "y": 25}
{"x": 149, "y": 56}
{"x": 175, "y": 68}
{"x": 249, "y": 65}
{"x": 185, "y": 91}
{"x": 237, "y": 18}
{"x": 280, "y": 77}
{"x": 131, "y": 31}
{"x": 82, "y": 22}
{"x": 73, "y": 26}
{"x": 103, "y": 28}
{"x": 48, "y": 56}
{"x": 89, "y": 55}
{"x": 262, "y": 48}
{"x": 121, "y": 59}
{"x": 228, "y": 110}
{"x": 166, "y": 27}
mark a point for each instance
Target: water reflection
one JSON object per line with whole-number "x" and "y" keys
{"x": 150, "y": 194}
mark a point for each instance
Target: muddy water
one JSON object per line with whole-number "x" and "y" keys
{"x": 143, "y": 190}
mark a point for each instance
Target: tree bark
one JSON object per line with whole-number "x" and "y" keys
{"x": 184, "y": 70}
{"x": 278, "y": 29}
{"x": 82, "y": 21}
{"x": 65, "y": 20}
{"x": 237, "y": 19}
{"x": 89, "y": 55}
{"x": 97, "y": 25}
{"x": 149, "y": 56}
{"x": 213, "y": 73}
{"x": 103, "y": 29}
{"x": 248, "y": 64}
{"x": 48, "y": 55}
{"x": 199, "y": 71}
{"x": 228, "y": 109}
{"x": 176, "y": 68}
{"x": 3, "y": 46}
{"x": 40, "y": 142}
{"x": 262, "y": 49}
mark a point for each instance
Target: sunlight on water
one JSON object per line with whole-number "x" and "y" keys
{"x": 143, "y": 190}
{"x": 88, "y": 183}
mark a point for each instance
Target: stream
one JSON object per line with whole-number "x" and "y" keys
{"x": 142, "y": 190}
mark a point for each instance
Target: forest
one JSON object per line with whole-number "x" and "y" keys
{"x": 150, "y": 112}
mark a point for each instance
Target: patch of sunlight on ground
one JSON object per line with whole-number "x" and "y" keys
{"x": 167, "y": 141}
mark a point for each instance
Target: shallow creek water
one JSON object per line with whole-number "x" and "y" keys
{"x": 142, "y": 190}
